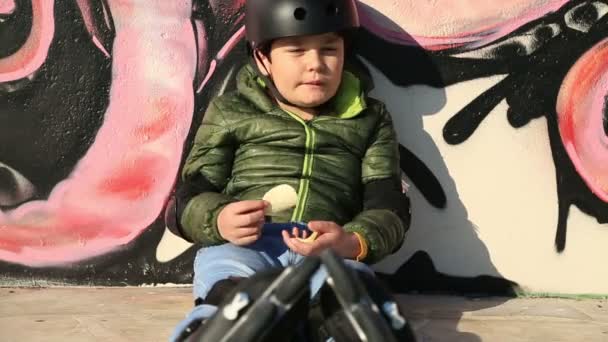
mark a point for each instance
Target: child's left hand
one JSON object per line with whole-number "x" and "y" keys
{"x": 331, "y": 235}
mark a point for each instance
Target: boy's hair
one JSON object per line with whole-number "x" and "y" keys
{"x": 347, "y": 35}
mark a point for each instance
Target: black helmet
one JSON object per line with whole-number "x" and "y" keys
{"x": 266, "y": 20}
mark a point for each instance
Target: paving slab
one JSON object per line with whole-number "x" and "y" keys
{"x": 150, "y": 313}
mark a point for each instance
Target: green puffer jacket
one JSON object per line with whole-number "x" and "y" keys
{"x": 247, "y": 145}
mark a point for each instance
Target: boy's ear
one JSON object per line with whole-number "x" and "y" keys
{"x": 262, "y": 62}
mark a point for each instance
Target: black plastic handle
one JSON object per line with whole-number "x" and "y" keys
{"x": 360, "y": 310}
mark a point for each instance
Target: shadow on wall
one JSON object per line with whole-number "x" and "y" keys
{"x": 410, "y": 83}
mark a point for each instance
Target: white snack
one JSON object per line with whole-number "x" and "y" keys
{"x": 281, "y": 197}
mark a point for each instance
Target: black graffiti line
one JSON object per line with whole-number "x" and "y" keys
{"x": 464, "y": 123}
{"x": 605, "y": 116}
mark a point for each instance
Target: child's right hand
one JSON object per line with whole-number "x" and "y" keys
{"x": 241, "y": 222}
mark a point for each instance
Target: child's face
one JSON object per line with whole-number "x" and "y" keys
{"x": 306, "y": 70}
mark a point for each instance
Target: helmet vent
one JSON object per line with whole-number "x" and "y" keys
{"x": 332, "y": 10}
{"x": 299, "y": 13}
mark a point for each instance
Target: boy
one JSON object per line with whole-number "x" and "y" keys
{"x": 296, "y": 118}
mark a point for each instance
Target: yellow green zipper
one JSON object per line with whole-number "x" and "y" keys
{"x": 304, "y": 186}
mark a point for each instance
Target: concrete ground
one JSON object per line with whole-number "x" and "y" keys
{"x": 149, "y": 314}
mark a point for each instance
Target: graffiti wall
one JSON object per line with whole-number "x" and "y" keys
{"x": 501, "y": 110}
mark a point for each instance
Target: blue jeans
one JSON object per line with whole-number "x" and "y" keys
{"x": 216, "y": 263}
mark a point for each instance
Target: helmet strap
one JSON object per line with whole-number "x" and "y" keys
{"x": 268, "y": 79}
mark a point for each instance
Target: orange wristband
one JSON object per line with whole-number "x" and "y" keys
{"x": 362, "y": 247}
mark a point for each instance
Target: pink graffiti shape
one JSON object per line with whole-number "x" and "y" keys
{"x": 7, "y": 6}
{"x": 85, "y": 10}
{"x": 581, "y": 107}
{"x": 33, "y": 53}
{"x": 122, "y": 183}
{"x": 478, "y": 34}
{"x": 228, "y": 46}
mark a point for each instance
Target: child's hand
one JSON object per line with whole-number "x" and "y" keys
{"x": 331, "y": 235}
{"x": 241, "y": 222}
